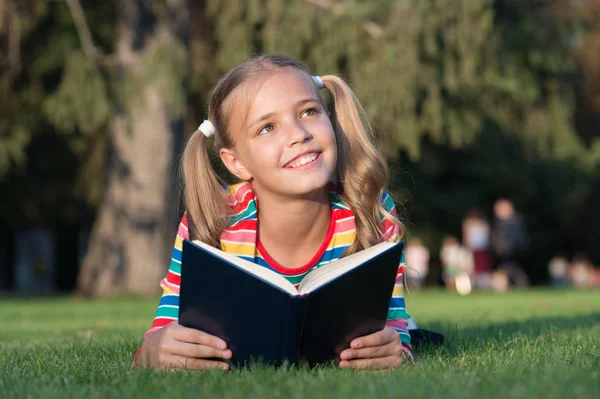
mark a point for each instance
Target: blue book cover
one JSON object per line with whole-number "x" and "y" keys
{"x": 264, "y": 318}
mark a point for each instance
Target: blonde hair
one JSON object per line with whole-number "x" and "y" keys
{"x": 361, "y": 169}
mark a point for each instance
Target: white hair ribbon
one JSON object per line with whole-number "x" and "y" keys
{"x": 207, "y": 128}
{"x": 318, "y": 81}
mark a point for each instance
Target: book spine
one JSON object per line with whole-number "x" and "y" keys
{"x": 292, "y": 334}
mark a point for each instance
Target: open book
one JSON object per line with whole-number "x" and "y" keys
{"x": 263, "y": 317}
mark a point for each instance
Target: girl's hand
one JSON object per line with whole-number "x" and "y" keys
{"x": 380, "y": 350}
{"x": 178, "y": 347}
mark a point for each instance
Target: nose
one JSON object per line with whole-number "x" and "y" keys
{"x": 297, "y": 133}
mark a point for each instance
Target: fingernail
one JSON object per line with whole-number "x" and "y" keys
{"x": 344, "y": 364}
{"x": 222, "y": 345}
{"x": 356, "y": 344}
{"x": 227, "y": 354}
{"x": 225, "y": 367}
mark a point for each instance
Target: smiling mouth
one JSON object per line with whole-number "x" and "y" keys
{"x": 305, "y": 159}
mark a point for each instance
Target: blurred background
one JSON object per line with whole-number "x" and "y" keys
{"x": 487, "y": 111}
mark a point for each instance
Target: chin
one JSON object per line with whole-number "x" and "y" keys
{"x": 310, "y": 188}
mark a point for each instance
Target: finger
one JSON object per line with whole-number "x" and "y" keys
{"x": 197, "y": 351}
{"x": 198, "y": 337}
{"x": 375, "y": 364}
{"x": 391, "y": 349}
{"x": 382, "y": 337}
{"x": 176, "y": 362}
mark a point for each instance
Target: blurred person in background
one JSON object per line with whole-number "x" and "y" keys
{"x": 558, "y": 268}
{"x": 457, "y": 264}
{"x": 500, "y": 282}
{"x": 476, "y": 237}
{"x": 417, "y": 262}
{"x": 581, "y": 271}
{"x": 509, "y": 241}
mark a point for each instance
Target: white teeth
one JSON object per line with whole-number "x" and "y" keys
{"x": 304, "y": 160}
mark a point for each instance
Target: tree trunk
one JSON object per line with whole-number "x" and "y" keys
{"x": 134, "y": 230}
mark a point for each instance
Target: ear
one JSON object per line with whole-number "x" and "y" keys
{"x": 234, "y": 164}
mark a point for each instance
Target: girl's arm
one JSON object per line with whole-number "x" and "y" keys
{"x": 397, "y": 317}
{"x": 170, "y": 345}
{"x": 168, "y": 307}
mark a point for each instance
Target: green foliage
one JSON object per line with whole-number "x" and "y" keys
{"x": 48, "y": 124}
{"x": 163, "y": 65}
{"x": 81, "y": 102}
{"x": 436, "y": 69}
{"x": 515, "y": 345}
{"x": 20, "y": 95}
{"x": 12, "y": 149}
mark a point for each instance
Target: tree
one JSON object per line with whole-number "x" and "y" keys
{"x": 47, "y": 165}
{"x": 461, "y": 95}
{"x": 129, "y": 243}
{"x": 582, "y": 21}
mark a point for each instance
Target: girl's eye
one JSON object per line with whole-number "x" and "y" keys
{"x": 310, "y": 112}
{"x": 266, "y": 129}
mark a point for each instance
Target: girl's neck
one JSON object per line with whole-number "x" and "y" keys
{"x": 292, "y": 230}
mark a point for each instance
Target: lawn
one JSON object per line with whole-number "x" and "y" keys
{"x": 530, "y": 344}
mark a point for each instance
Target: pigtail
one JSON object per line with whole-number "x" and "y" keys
{"x": 362, "y": 170}
{"x": 204, "y": 193}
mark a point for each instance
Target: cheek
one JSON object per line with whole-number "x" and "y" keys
{"x": 332, "y": 141}
{"x": 334, "y": 152}
{"x": 328, "y": 131}
{"x": 263, "y": 155}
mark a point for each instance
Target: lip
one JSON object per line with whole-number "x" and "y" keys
{"x": 314, "y": 151}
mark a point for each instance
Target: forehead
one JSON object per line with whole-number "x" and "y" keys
{"x": 270, "y": 92}
{"x": 285, "y": 83}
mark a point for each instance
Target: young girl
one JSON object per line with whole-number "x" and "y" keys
{"x": 311, "y": 191}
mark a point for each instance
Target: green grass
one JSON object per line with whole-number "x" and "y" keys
{"x": 522, "y": 344}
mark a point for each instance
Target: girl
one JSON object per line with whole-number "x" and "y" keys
{"x": 310, "y": 193}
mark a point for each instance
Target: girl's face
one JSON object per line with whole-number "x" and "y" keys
{"x": 286, "y": 144}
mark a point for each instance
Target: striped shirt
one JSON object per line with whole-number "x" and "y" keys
{"x": 240, "y": 238}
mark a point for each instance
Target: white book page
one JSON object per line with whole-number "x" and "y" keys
{"x": 329, "y": 272}
{"x": 252, "y": 268}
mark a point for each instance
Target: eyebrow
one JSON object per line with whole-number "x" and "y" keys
{"x": 270, "y": 114}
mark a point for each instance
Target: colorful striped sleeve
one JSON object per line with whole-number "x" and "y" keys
{"x": 168, "y": 306}
{"x": 397, "y": 316}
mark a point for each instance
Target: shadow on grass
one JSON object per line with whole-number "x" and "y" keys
{"x": 458, "y": 339}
